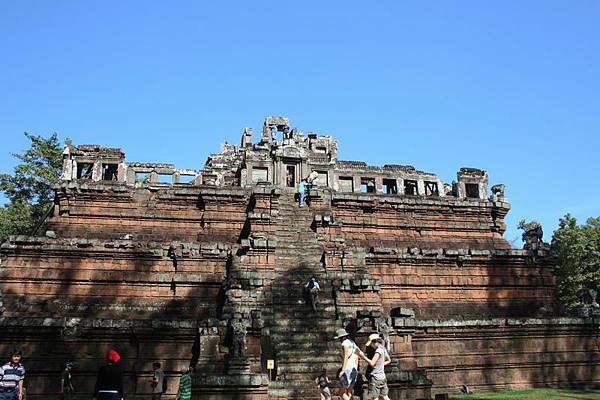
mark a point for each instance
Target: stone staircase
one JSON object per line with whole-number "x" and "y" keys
{"x": 303, "y": 340}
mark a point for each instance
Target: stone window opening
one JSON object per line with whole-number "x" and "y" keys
{"x": 321, "y": 149}
{"x": 346, "y": 184}
{"x": 472, "y": 190}
{"x": 142, "y": 177}
{"x": 109, "y": 172}
{"x": 390, "y": 186}
{"x": 84, "y": 170}
{"x": 322, "y": 179}
{"x": 411, "y": 188}
{"x": 164, "y": 178}
{"x": 367, "y": 185}
{"x": 186, "y": 179}
{"x": 290, "y": 176}
{"x": 431, "y": 189}
{"x": 260, "y": 174}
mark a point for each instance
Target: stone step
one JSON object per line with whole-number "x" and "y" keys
{"x": 328, "y": 347}
{"x": 294, "y": 279}
{"x": 293, "y": 250}
{"x": 287, "y": 394}
{"x": 300, "y": 370}
{"x": 294, "y": 220}
{"x": 293, "y": 314}
{"x": 297, "y": 288}
{"x": 282, "y": 310}
{"x": 318, "y": 319}
{"x": 296, "y": 296}
{"x": 282, "y": 306}
{"x": 300, "y": 230}
{"x": 292, "y": 262}
{"x": 280, "y": 383}
{"x": 303, "y": 317}
{"x": 303, "y": 338}
{"x": 307, "y": 246}
{"x": 288, "y": 241}
{"x": 304, "y": 356}
{"x": 285, "y": 240}
{"x": 281, "y": 329}
{"x": 292, "y": 241}
{"x": 300, "y": 280}
{"x": 290, "y": 330}
{"x": 308, "y": 238}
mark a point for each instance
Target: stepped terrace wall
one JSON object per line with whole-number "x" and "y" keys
{"x": 451, "y": 283}
{"x": 411, "y": 221}
{"x": 110, "y": 279}
{"x": 507, "y": 353}
{"x": 158, "y": 213}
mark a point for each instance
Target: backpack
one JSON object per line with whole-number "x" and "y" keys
{"x": 164, "y": 384}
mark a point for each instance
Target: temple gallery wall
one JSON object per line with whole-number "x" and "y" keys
{"x": 207, "y": 266}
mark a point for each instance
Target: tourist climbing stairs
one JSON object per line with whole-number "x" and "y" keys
{"x": 303, "y": 340}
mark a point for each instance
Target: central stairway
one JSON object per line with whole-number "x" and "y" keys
{"x": 303, "y": 341}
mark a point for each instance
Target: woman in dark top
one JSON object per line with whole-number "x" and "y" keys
{"x": 109, "y": 385}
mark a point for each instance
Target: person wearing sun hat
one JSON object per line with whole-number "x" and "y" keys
{"x": 349, "y": 371}
{"x": 378, "y": 388}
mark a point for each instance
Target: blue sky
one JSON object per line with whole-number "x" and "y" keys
{"x": 511, "y": 87}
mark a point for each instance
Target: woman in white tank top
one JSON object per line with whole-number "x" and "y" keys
{"x": 349, "y": 371}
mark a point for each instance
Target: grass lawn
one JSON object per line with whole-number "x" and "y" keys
{"x": 533, "y": 394}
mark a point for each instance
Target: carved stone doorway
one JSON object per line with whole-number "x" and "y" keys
{"x": 291, "y": 175}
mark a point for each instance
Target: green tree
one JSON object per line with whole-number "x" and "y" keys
{"x": 577, "y": 248}
{"x": 528, "y": 225}
{"x": 29, "y": 188}
{"x": 532, "y": 231}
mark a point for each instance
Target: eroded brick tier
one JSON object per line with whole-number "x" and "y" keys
{"x": 152, "y": 260}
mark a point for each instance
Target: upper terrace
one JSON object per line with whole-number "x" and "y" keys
{"x": 281, "y": 157}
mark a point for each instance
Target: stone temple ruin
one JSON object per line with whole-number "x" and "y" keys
{"x": 208, "y": 266}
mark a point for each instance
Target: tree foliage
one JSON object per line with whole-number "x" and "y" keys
{"x": 577, "y": 248}
{"x": 29, "y": 188}
{"x": 528, "y": 225}
{"x": 532, "y": 232}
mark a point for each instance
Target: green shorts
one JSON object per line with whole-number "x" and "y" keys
{"x": 377, "y": 388}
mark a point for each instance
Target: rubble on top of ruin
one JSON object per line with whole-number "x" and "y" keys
{"x": 282, "y": 157}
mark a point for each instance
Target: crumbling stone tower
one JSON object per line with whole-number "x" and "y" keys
{"x": 208, "y": 265}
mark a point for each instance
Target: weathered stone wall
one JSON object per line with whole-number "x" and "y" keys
{"x": 393, "y": 221}
{"x": 161, "y": 213}
{"x": 502, "y": 354}
{"x": 49, "y": 343}
{"x": 134, "y": 269}
{"x": 111, "y": 279}
{"x": 150, "y": 267}
{"x": 472, "y": 284}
